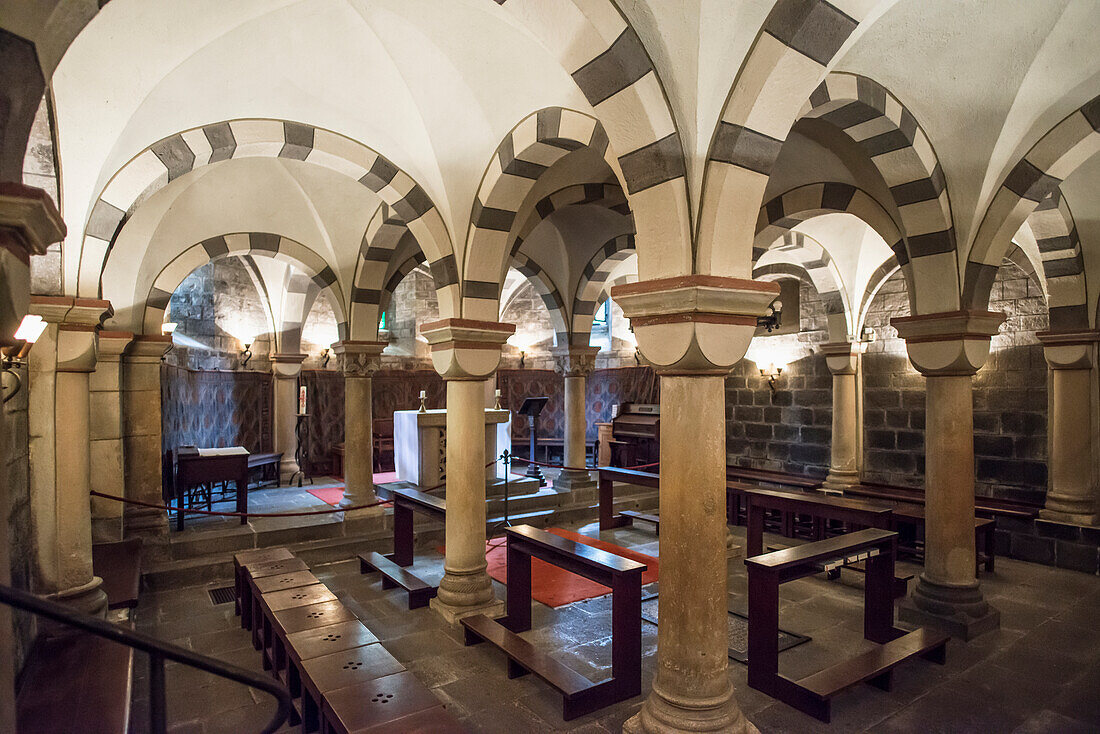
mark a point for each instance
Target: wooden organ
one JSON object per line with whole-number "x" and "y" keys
{"x": 636, "y": 435}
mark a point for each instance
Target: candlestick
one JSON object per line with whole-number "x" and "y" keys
{"x": 423, "y": 397}
{"x": 498, "y": 399}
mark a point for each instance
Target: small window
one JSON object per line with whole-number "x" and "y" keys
{"x": 382, "y": 321}
{"x": 600, "y": 319}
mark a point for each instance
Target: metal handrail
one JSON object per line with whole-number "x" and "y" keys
{"x": 158, "y": 651}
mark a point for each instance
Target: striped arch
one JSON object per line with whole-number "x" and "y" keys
{"x": 175, "y": 156}
{"x": 256, "y": 244}
{"x": 608, "y": 195}
{"x": 549, "y": 293}
{"x": 1037, "y": 176}
{"x": 882, "y": 274}
{"x": 592, "y": 286}
{"x": 899, "y": 148}
{"x": 299, "y": 294}
{"x": 599, "y": 48}
{"x": 385, "y": 232}
{"x": 605, "y": 292}
{"x": 787, "y": 211}
{"x": 535, "y": 144}
{"x": 1063, "y": 266}
{"x": 795, "y": 46}
{"x": 804, "y": 253}
{"x": 395, "y": 279}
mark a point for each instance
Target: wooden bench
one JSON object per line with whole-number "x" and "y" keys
{"x": 783, "y": 479}
{"x": 624, "y": 576}
{"x": 420, "y": 593}
{"x": 911, "y": 516}
{"x": 983, "y": 506}
{"x": 812, "y": 694}
{"x": 119, "y": 565}
{"x": 393, "y": 703}
{"x": 608, "y": 475}
{"x": 406, "y": 503}
{"x": 632, "y": 515}
{"x": 265, "y": 462}
{"x": 243, "y": 603}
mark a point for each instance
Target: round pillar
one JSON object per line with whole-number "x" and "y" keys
{"x": 1072, "y": 491}
{"x": 948, "y": 349}
{"x": 575, "y": 364}
{"x": 359, "y": 361}
{"x": 466, "y": 353}
{"x": 693, "y": 329}
{"x": 844, "y": 464}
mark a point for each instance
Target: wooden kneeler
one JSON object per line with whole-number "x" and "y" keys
{"x": 580, "y": 696}
{"x": 406, "y": 502}
{"x": 812, "y": 694}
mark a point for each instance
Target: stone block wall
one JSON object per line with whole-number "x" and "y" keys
{"x": 21, "y": 548}
{"x": 791, "y": 429}
{"x": 1010, "y": 396}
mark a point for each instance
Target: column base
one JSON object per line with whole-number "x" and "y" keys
{"x": 570, "y": 480}
{"x": 838, "y": 482}
{"x": 89, "y": 598}
{"x": 145, "y": 520}
{"x": 1073, "y": 512}
{"x": 663, "y": 713}
{"x": 287, "y": 469}
{"x": 452, "y": 614}
{"x": 961, "y": 611}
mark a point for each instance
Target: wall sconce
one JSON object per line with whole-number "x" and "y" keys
{"x": 771, "y": 373}
{"x": 867, "y": 335}
{"x": 168, "y": 329}
{"x": 246, "y": 353}
{"x": 324, "y": 358}
{"x": 30, "y": 328}
{"x": 522, "y": 357}
{"x": 773, "y": 318}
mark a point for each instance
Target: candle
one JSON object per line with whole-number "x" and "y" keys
{"x": 423, "y": 394}
{"x": 302, "y": 399}
{"x": 498, "y": 392}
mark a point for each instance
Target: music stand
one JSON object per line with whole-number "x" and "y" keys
{"x": 531, "y": 408}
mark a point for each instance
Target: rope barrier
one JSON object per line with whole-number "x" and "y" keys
{"x": 218, "y": 513}
{"x": 581, "y": 468}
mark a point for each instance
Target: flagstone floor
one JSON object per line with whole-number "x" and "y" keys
{"x": 1039, "y": 673}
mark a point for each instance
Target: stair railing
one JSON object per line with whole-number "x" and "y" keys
{"x": 158, "y": 651}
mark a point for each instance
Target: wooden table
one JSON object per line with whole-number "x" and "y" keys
{"x": 192, "y": 469}
{"x": 624, "y": 577}
{"x": 812, "y": 694}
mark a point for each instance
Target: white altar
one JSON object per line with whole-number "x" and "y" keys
{"x": 420, "y": 444}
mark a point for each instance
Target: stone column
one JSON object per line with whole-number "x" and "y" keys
{"x": 359, "y": 360}
{"x": 286, "y": 368}
{"x": 106, "y": 435}
{"x": 1072, "y": 491}
{"x": 59, "y": 418}
{"x": 29, "y": 223}
{"x": 466, "y": 353}
{"x": 693, "y": 329}
{"x": 143, "y": 450}
{"x": 844, "y": 463}
{"x": 948, "y": 348}
{"x": 575, "y": 364}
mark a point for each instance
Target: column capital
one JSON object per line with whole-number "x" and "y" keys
{"x": 148, "y": 348}
{"x": 694, "y": 324}
{"x": 464, "y": 349}
{"x": 29, "y": 221}
{"x": 1069, "y": 350}
{"x": 112, "y": 344}
{"x": 948, "y": 343}
{"x": 574, "y": 361}
{"x": 842, "y": 358}
{"x": 77, "y": 321}
{"x": 359, "y": 358}
{"x": 286, "y": 366}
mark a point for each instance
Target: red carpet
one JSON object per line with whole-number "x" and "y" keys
{"x": 331, "y": 495}
{"x": 555, "y": 587}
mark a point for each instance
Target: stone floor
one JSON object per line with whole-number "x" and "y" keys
{"x": 266, "y": 499}
{"x": 1039, "y": 673}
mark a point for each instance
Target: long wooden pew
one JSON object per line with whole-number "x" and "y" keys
{"x": 608, "y": 475}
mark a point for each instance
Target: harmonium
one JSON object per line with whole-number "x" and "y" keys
{"x": 636, "y": 435}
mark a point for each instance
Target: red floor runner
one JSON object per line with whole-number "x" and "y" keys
{"x": 556, "y": 587}
{"x": 331, "y": 495}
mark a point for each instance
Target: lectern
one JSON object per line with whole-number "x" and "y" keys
{"x": 531, "y": 408}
